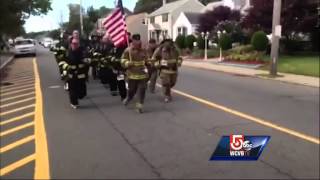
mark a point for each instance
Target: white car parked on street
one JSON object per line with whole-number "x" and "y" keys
{"x": 24, "y": 47}
{"x": 47, "y": 43}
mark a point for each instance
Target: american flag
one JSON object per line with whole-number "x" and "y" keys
{"x": 115, "y": 25}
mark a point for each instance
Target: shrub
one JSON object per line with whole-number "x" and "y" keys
{"x": 248, "y": 56}
{"x": 225, "y": 42}
{"x": 200, "y": 42}
{"x": 190, "y": 39}
{"x": 242, "y": 49}
{"x": 260, "y": 41}
{"x": 180, "y": 41}
{"x": 292, "y": 45}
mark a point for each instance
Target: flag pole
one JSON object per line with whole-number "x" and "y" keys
{"x": 129, "y": 48}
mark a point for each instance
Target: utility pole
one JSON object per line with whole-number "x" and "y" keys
{"x": 61, "y": 19}
{"x": 61, "y": 24}
{"x": 276, "y": 35}
{"x": 81, "y": 19}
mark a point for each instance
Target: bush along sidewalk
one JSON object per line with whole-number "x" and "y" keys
{"x": 250, "y": 54}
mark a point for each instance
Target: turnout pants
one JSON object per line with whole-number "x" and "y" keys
{"x": 94, "y": 71}
{"x": 122, "y": 88}
{"x": 137, "y": 86}
{"x": 153, "y": 74}
{"x": 167, "y": 82}
{"x": 103, "y": 75}
{"x": 77, "y": 90}
{"x": 112, "y": 81}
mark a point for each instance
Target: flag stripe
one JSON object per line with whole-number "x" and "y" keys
{"x": 116, "y": 31}
{"x": 117, "y": 16}
{"x": 115, "y": 25}
{"x": 111, "y": 16}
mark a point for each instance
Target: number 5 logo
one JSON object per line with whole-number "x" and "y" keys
{"x": 236, "y": 142}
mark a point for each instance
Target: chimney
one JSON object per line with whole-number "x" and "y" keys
{"x": 164, "y": 2}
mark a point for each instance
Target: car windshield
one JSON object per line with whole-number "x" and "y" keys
{"x": 24, "y": 42}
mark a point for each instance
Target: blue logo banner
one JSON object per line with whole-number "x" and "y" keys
{"x": 240, "y": 147}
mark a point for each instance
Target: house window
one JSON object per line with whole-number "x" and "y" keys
{"x": 144, "y": 21}
{"x": 164, "y": 17}
{"x": 182, "y": 31}
{"x": 152, "y": 20}
{"x": 152, "y": 34}
{"x": 165, "y": 34}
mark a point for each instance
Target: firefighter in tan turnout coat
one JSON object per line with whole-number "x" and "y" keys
{"x": 167, "y": 61}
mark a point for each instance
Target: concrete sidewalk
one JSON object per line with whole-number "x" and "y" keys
{"x": 284, "y": 77}
{"x": 5, "y": 58}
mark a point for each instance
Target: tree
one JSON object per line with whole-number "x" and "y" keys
{"x": 54, "y": 34}
{"x": 13, "y": 14}
{"x": 149, "y": 6}
{"x": 74, "y": 18}
{"x": 190, "y": 39}
{"x": 260, "y": 41}
{"x": 233, "y": 28}
{"x": 296, "y": 16}
{"x": 210, "y": 19}
{"x": 200, "y": 42}
{"x": 103, "y": 11}
{"x": 93, "y": 14}
{"x": 180, "y": 41}
{"x": 225, "y": 42}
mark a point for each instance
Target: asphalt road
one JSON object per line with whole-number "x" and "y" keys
{"x": 103, "y": 139}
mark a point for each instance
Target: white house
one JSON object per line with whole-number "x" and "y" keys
{"x": 136, "y": 25}
{"x": 241, "y": 5}
{"x": 186, "y": 24}
{"x": 161, "y": 21}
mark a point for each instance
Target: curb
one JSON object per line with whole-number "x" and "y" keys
{"x": 256, "y": 76}
{"x": 7, "y": 62}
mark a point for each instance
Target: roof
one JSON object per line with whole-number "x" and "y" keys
{"x": 213, "y": 5}
{"x": 168, "y": 7}
{"x": 192, "y": 17}
{"x": 135, "y": 17}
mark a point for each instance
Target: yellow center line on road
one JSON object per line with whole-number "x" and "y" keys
{"x": 260, "y": 121}
{"x": 2, "y": 100}
{"x": 16, "y": 144}
{"x": 17, "y": 165}
{"x": 17, "y": 91}
{"x": 4, "y": 122}
{"x": 4, "y": 90}
{"x": 42, "y": 160}
{"x": 15, "y": 129}
{"x": 17, "y": 102}
{"x": 16, "y": 110}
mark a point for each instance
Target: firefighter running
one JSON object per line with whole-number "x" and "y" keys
{"x": 167, "y": 60}
{"x": 117, "y": 66}
{"x": 134, "y": 60}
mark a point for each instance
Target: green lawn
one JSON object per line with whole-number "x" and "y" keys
{"x": 302, "y": 65}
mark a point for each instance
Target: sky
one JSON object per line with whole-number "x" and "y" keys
{"x": 60, "y": 8}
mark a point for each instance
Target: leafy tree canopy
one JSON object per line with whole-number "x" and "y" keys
{"x": 296, "y": 16}
{"x": 13, "y": 14}
{"x": 210, "y": 19}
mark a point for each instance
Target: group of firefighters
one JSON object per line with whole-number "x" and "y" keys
{"x": 127, "y": 70}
